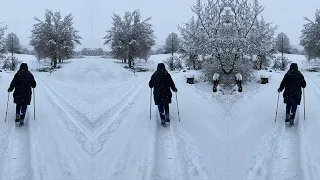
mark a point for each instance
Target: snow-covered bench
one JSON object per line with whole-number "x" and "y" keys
{"x": 190, "y": 79}
{"x": 264, "y": 79}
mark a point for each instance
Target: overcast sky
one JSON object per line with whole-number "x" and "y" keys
{"x": 93, "y": 17}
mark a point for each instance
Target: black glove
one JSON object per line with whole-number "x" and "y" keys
{"x": 279, "y": 90}
{"x": 175, "y": 90}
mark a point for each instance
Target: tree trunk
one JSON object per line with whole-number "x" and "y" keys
{"x": 54, "y": 61}
{"x": 130, "y": 60}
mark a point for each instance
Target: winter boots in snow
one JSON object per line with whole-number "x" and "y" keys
{"x": 164, "y": 119}
{"x": 19, "y": 119}
{"x": 167, "y": 117}
{"x": 287, "y": 117}
{"x": 290, "y": 119}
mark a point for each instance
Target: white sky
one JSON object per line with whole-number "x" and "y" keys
{"x": 93, "y": 17}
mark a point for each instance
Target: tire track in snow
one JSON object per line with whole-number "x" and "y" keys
{"x": 72, "y": 112}
{"x": 175, "y": 155}
{"x": 279, "y": 156}
{"x": 191, "y": 157}
{"x": 289, "y": 165}
{"x": 165, "y": 152}
{"x": 115, "y": 108}
{"x": 266, "y": 160}
{"x": 311, "y": 169}
{"x": 19, "y": 166}
{"x": 116, "y": 119}
{"x": 70, "y": 122}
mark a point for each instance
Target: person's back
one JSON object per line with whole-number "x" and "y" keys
{"x": 292, "y": 82}
{"x": 22, "y": 83}
{"x": 161, "y": 81}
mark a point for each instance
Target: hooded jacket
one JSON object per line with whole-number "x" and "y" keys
{"x": 292, "y": 82}
{"x": 161, "y": 81}
{"x": 22, "y": 83}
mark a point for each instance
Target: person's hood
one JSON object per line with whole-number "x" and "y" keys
{"x": 23, "y": 67}
{"x": 161, "y": 67}
{"x": 294, "y": 67}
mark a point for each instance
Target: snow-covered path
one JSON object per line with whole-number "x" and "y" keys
{"x": 18, "y": 162}
{"x": 92, "y": 122}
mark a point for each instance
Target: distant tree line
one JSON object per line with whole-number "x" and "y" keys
{"x": 92, "y": 52}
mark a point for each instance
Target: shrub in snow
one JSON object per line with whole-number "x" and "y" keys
{"x": 174, "y": 63}
{"x": 280, "y": 63}
{"x": 10, "y": 63}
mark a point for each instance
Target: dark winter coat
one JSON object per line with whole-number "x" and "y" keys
{"x": 161, "y": 81}
{"x": 22, "y": 83}
{"x": 292, "y": 82}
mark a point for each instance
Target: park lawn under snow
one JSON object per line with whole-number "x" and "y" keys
{"x": 93, "y": 122}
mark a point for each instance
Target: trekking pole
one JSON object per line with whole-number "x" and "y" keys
{"x": 304, "y": 104}
{"x": 275, "y": 120}
{"x": 5, "y": 120}
{"x": 177, "y": 106}
{"x": 34, "y": 104}
{"x": 150, "y": 101}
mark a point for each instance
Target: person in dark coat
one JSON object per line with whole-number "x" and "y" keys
{"x": 161, "y": 81}
{"x": 22, "y": 83}
{"x": 292, "y": 82}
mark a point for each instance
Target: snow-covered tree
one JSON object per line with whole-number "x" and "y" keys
{"x": 13, "y": 43}
{"x": 192, "y": 40}
{"x": 283, "y": 43}
{"x": 130, "y": 37}
{"x": 55, "y": 37}
{"x": 264, "y": 42}
{"x": 174, "y": 63}
{"x": 172, "y": 43}
{"x": 3, "y": 49}
{"x": 310, "y": 39}
{"x": 226, "y": 33}
{"x": 280, "y": 63}
{"x": 10, "y": 63}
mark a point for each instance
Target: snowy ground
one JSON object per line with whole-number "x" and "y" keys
{"x": 92, "y": 122}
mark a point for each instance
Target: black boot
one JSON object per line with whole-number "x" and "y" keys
{"x": 21, "y": 122}
{"x": 167, "y": 117}
{"x": 163, "y": 122}
{"x": 287, "y": 117}
{"x": 17, "y": 117}
{"x": 291, "y": 122}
